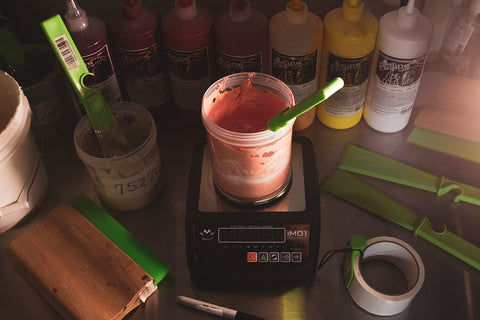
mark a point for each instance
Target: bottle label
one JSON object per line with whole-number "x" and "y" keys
{"x": 140, "y": 64}
{"x": 189, "y": 76}
{"x": 188, "y": 65}
{"x": 354, "y": 72}
{"x": 145, "y": 78}
{"x": 298, "y": 72}
{"x": 100, "y": 64}
{"x": 396, "y": 84}
{"x": 227, "y": 64}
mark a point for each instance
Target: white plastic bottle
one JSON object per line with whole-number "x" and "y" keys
{"x": 402, "y": 45}
{"x": 457, "y": 47}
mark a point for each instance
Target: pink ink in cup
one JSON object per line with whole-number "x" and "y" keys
{"x": 250, "y": 164}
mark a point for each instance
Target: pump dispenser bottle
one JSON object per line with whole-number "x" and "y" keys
{"x": 241, "y": 40}
{"x": 140, "y": 54}
{"x": 350, "y": 35}
{"x": 402, "y": 45}
{"x": 295, "y": 42}
{"x": 90, "y": 36}
{"x": 188, "y": 33}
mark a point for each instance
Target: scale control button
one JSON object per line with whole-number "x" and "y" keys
{"x": 251, "y": 257}
{"x": 263, "y": 257}
{"x": 274, "y": 257}
{"x": 285, "y": 257}
{"x": 296, "y": 256}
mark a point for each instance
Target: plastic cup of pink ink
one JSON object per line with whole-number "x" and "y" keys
{"x": 250, "y": 165}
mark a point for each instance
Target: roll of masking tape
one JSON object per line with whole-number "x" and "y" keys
{"x": 399, "y": 254}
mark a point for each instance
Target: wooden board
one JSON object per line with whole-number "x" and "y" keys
{"x": 454, "y": 109}
{"x": 78, "y": 269}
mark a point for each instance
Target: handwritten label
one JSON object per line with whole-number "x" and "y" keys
{"x": 133, "y": 186}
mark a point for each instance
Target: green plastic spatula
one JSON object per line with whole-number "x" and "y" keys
{"x": 281, "y": 119}
{"x": 112, "y": 140}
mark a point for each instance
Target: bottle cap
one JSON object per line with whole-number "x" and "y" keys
{"x": 408, "y": 16}
{"x": 185, "y": 9}
{"x": 352, "y": 10}
{"x": 240, "y": 10}
{"x": 296, "y": 12}
{"x": 132, "y": 9}
{"x": 75, "y": 17}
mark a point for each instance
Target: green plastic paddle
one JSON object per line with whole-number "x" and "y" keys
{"x": 112, "y": 140}
{"x": 281, "y": 119}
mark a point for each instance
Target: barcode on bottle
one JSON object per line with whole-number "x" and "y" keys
{"x": 66, "y": 52}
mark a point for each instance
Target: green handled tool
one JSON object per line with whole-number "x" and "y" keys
{"x": 364, "y": 162}
{"x": 112, "y": 140}
{"x": 350, "y": 188}
{"x": 281, "y": 119}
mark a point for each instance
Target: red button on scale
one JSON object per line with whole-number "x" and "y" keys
{"x": 251, "y": 257}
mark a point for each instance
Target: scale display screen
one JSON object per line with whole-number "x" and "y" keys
{"x": 251, "y": 235}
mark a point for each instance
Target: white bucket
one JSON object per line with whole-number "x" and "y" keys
{"x": 23, "y": 180}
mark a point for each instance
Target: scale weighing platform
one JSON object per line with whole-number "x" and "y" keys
{"x": 275, "y": 243}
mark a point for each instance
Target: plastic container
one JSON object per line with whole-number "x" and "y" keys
{"x": 295, "y": 44}
{"x": 23, "y": 179}
{"x": 349, "y": 45}
{"x": 402, "y": 46}
{"x": 46, "y": 88}
{"x": 141, "y": 55}
{"x": 188, "y": 33}
{"x": 130, "y": 181}
{"x": 249, "y": 168}
{"x": 241, "y": 40}
{"x": 90, "y": 36}
{"x": 460, "y": 43}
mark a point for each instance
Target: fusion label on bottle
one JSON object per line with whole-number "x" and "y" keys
{"x": 298, "y": 72}
{"x": 227, "y": 64}
{"x": 396, "y": 84}
{"x": 354, "y": 72}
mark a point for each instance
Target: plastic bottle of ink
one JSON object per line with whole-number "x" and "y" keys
{"x": 457, "y": 47}
{"x": 241, "y": 40}
{"x": 402, "y": 45}
{"x": 349, "y": 45}
{"x": 141, "y": 54}
{"x": 295, "y": 43}
{"x": 90, "y": 36}
{"x": 188, "y": 33}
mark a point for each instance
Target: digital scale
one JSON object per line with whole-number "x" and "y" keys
{"x": 275, "y": 243}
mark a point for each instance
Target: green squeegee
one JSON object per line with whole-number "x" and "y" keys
{"x": 364, "y": 162}
{"x": 352, "y": 189}
{"x": 121, "y": 237}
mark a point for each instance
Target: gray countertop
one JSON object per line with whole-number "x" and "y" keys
{"x": 451, "y": 289}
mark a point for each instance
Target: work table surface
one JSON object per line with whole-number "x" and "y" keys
{"x": 451, "y": 289}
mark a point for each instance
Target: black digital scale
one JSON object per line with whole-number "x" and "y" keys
{"x": 275, "y": 243}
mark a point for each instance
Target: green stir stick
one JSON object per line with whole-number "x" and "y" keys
{"x": 281, "y": 119}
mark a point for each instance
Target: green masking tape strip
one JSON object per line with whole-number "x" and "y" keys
{"x": 122, "y": 238}
{"x": 352, "y": 189}
{"x": 445, "y": 143}
{"x": 364, "y": 162}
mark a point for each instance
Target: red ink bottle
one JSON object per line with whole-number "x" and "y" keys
{"x": 241, "y": 40}
{"x": 90, "y": 36}
{"x": 140, "y": 53}
{"x": 188, "y": 33}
